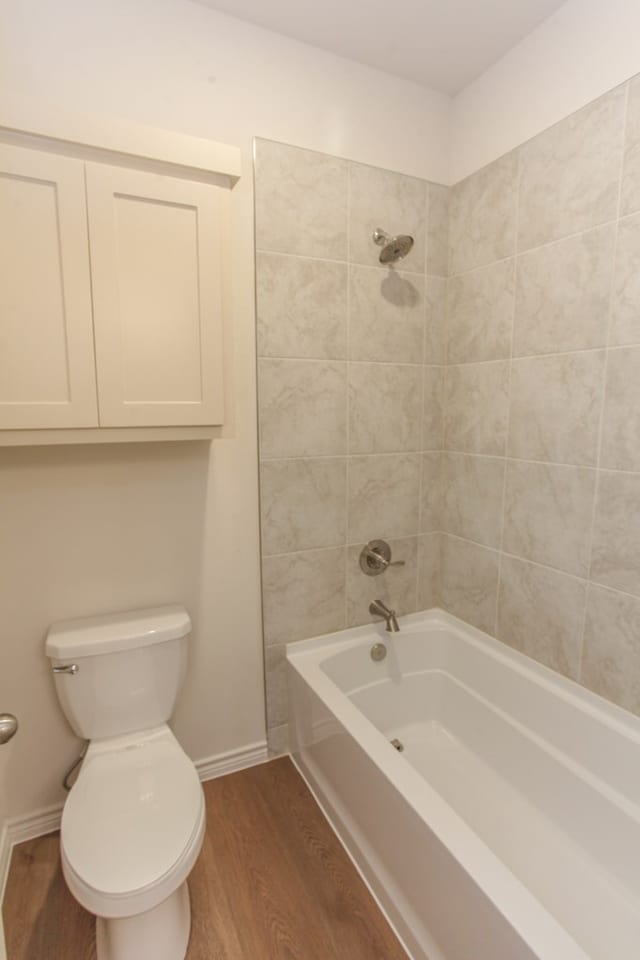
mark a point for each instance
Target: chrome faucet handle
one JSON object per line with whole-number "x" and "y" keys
{"x": 375, "y": 558}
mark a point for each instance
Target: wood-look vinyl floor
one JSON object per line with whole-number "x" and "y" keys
{"x": 272, "y": 883}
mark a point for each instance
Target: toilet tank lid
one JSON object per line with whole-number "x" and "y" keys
{"x": 115, "y": 632}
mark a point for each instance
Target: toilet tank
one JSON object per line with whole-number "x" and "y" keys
{"x": 120, "y": 673}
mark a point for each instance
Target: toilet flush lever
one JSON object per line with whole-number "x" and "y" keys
{"x": 68, "y": 668}
{"x": 8, "y": 727}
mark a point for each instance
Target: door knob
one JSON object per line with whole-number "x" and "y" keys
{"x": 8, "y": 727}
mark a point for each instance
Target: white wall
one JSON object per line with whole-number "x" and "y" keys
{"x": 582, "y": 51}
{"x": 90, "y": 529}
{"x": 176, "y": 64}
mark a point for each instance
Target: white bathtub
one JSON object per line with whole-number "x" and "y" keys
{"x": 509, "y": 828}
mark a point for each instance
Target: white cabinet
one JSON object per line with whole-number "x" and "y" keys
{"x": 110, "y": 296}
{"x": 47, "y": 368}
{"x": 156, "y": 272}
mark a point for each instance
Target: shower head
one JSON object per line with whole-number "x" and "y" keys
{"x": 393, "y": 248}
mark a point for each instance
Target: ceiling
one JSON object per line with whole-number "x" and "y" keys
{"x": 443, "y": 44}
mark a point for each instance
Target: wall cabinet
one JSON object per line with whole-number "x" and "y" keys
{"x": 110, "y": 296}
{"x": 47, "y": 366}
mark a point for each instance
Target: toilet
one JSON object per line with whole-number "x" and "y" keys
{"x": 134, "y": 821}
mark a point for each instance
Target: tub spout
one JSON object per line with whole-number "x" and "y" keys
{"x": 380, "y": 609}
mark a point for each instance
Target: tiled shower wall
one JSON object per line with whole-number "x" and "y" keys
{"x": 541, "y": 492}
{"x": 536, "y": 492}
{"x": 350, "y": 383}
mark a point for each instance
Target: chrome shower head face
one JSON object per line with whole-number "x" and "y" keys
{"x": 393, "y": 248}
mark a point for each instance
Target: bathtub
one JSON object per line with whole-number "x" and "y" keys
{"x": 508, "y": 826}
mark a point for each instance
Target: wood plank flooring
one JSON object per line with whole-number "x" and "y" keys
{"x": 272, "y": 883}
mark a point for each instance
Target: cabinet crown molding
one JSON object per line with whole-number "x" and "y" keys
{"x": 118, "y": 138}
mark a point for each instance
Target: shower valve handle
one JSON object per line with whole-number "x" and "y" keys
{"x": 386, "y": 563}
{"x": 375, "y": 558}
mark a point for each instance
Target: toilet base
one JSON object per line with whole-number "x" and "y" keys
{"x": 161, "y": 933}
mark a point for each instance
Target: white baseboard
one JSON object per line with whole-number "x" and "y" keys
{"x": 37, "y": 824}
{"x": 5, "y": 858}
{"x": 19, "y": 829}
{"x": 232, "y": 760}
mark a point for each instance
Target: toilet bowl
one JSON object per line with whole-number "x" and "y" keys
{"x": 132, "y": 830}
{"x": 134, "y": 821}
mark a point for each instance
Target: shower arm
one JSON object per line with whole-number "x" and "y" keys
{"x": 380, "y": 237}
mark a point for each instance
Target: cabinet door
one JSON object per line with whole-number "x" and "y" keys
{"x": 155, "y": 267}
{"x": 47, "y": 366}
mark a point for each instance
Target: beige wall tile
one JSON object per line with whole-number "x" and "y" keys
{"x": 302, "y": 408}
{"x": 429, "y": 556}
{"x": 431, "y": 485}
{"x": 621, "y": 424}
{"x": 435, "y": 320}
{"x": 473, "y": 491}
{"x": 276, "y": 684}
{"x": 384, "y": 496}
{"x": 615, "y": 560}
{"x": 433, "y": 420}
{"x": 555, "y": 407}
{"x": 384, "y": 407}
{"x": 386, "y": 322}
{"x": 611, "y": 659}
{"x": 480, "y": 314}
{"x": 541, "y": 613}
{"x": 482, "y": 216}
{"x": 559, "y": 311}
{"x": 562, "y": 294}
{"x": 437, "y": 229}
{"x": 548, "y": 512}
{"x": 476, "y": 407}
{"x": 302, "y": 307}
{"x": 625, "y": 321}
{"x": 315, "y": 313}
{"x": 303, "y": 595}
{"x": 391, "y": 201}
{"x": 630, "y": 200}
{"x": 469, "y": 582}
{"x": 300, "y": 201}
{"x": 303, "y": 504}
{"x": 569, "y": 174}
{"x": 396, "y": 587}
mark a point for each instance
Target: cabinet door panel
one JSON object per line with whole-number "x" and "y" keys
{"x": 155, "y": 261}
{"x": 47, "y": 366}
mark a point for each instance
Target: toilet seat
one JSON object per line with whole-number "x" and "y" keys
{"x": 133, "y": 824}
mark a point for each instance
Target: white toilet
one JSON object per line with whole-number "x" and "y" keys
{"x": 133, "y": 824}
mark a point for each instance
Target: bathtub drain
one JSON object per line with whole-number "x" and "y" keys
{"x": 398, "y": 744}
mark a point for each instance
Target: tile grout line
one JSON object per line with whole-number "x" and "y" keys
{"x": 590, "y": 467}
{"x": 347, "y": 511}
{"x": 613, "y": 348}
{"x": 460, "y": 365}
{"x": 347, "y": 359}
{"x": 576, "y": 578}
{"x": 503, "y": 520}
{"x": 603, "y": 399}
{"x": 548, "y": 355}
{"x": 610, "y": 222}
{"x": 425, "y": 322}
{"x": 443, "y": 395}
